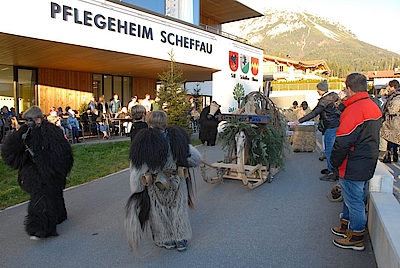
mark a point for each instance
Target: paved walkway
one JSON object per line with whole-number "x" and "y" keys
{"x": 285, "y": 223}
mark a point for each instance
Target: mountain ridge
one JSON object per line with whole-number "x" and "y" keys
{"x": 303, "y": 36}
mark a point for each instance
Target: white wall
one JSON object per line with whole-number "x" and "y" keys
{"x": 73, "y": 22}
{"x": 383, "y": 81}
{"x": 35, "y": 20}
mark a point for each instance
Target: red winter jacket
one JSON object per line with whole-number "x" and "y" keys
{"x": 356, "y": 148}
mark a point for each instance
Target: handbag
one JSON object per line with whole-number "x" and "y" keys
{"x": 321, "y": 126}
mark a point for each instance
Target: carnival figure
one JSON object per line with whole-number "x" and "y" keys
{"x": 209, "y": 120}
{"x": 160, "y": 158}
{"x": 43, "y": 158}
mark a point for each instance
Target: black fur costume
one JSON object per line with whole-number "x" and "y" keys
{"x": 164, "y": 210}
{"x": 208, "y": 126}
{"x": 42, "y": 171}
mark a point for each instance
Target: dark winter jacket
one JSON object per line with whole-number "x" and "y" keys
{"x": 136, "y": 127}
{"x": 327, "y": 110}
{"x": 356, "y": 148}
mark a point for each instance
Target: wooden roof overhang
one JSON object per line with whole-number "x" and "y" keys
{"x": 226, "y": 11}
{"x": 35, "y": 53}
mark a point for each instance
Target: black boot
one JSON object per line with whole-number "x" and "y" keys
{"x": 387, "y": 158}
{"x": 395, "y": 156}
{"x": 381, "y": 155}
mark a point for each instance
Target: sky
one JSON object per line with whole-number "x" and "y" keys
{"x": 376, "y": 22}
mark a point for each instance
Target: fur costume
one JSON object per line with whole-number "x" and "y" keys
{"x": 209, "y": 125}
{"x": 165, "y": 210}
{"x": 390, "y": 129}
{"x": 43, "y": 158}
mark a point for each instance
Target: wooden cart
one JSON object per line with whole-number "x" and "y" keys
{"x": 251, "y": 176}
{"x": 234, "y": 167}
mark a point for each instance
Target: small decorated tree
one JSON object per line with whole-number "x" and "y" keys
{"x": 172, "y": 96}
{"x": 238, "y": 93}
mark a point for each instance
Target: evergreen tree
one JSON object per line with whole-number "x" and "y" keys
{"x": 197, "y": 98}
{"x": 172, "y": 95}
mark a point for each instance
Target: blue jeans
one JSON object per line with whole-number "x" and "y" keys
{"x": 354, "y": 193}
{"x": 75, "y": 132}
{"x": 329, "y": 140}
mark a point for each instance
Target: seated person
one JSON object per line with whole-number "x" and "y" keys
{"x": 125, "y": 115}
{"x": 59, "y": 111}
{"x": 85, "y": 118}
{"x": 8, "y": 120}
{"x": 103, "y": 128}
{"x": 93, "y": 121}
{"x": 88, "y": 120}
{"x": 7, "y": 114}
{"x": 55, "y": 119}
{"x": 73, "y": 124}
{"x": 67, "y": 108}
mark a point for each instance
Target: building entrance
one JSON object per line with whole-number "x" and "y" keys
{"x": 18, "y": 88}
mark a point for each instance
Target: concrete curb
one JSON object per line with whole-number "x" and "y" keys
{"x": 384, "y": 218}
{"x": 383, "y": 226}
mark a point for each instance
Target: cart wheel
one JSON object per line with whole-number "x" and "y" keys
{"x": 269, "y": 177}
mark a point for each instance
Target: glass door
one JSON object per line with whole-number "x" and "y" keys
{"x": 6, "y": 86}
{"x": 26, "y": 89}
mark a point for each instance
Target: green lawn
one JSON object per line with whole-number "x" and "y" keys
{"x": 92, "y": 161}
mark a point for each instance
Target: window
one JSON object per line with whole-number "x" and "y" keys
{"x": 186, "y": 10}
{"x": 6, "y": 86}
{"x": 107, "y": 85}
{"x": 26, "y": 83}
{"x": 26, "y": 89}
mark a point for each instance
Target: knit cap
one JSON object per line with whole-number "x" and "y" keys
{"x": 323, "y": 86}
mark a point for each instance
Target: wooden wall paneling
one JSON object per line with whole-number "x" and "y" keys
{"x": 61, "y": 97}
{"x": 142, "y": 86}
{"x": 65, "y": 79}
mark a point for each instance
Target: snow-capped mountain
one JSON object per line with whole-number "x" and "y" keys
{"x": 304, "y": 36}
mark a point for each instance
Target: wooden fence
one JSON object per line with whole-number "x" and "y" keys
{"x": 276, "y": 86}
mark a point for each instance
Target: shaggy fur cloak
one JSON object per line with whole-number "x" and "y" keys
{"x": 390, "y": 129}
{"x": 208, "y": 126}
{"x": 166, "y": 211}
{"x": 43, "y": 175}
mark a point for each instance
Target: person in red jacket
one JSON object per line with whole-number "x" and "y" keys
{"x": 354, "y": 156}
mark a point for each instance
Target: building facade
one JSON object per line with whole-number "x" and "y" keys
{"x": 380, "y": 79}
{"x": 60, "y": 53}
{"x": 287, "y": 69}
